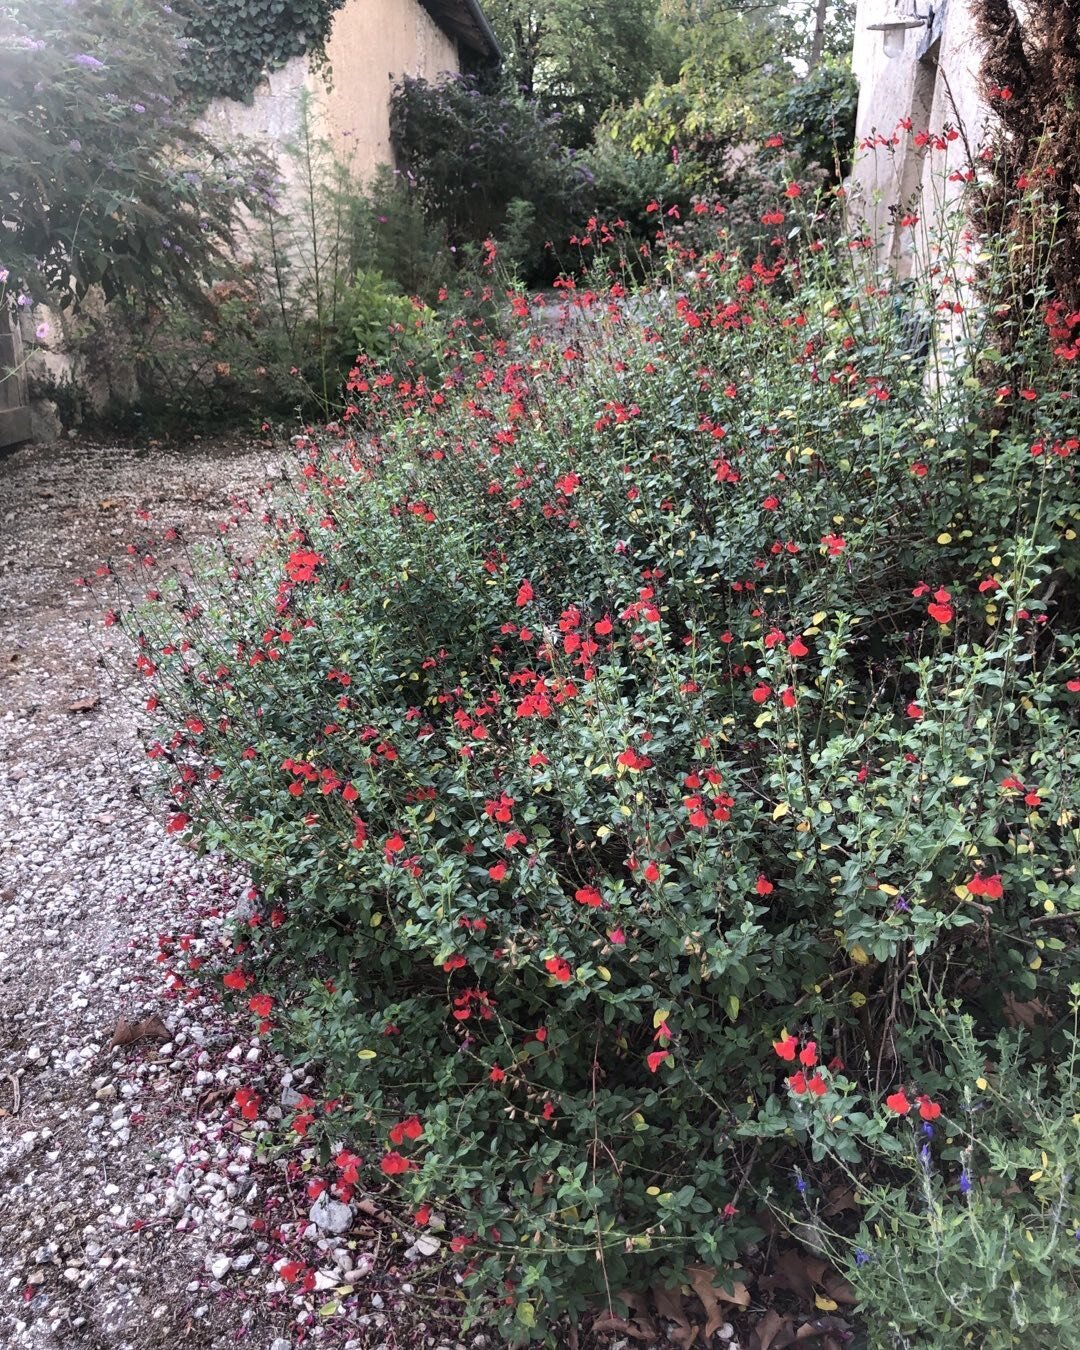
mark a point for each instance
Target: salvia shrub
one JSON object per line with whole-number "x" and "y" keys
{"x": 640, "y": 740}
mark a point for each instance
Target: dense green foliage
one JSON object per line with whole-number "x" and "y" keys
{"x": 579, "y": 60}
{"x": 654, "y": 747}
{"x": 237, "y": 42}
{"x": 471, "y": 154}
{"x": 105, "y": 181}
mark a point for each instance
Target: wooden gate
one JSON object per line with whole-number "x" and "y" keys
{"x": 14, "y": 399}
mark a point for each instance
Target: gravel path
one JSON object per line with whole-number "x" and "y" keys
{"x": 136, "y": 1209}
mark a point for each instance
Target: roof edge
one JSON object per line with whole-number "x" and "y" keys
{"x": 486, "y": 30}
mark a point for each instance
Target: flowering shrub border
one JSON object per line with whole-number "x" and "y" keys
{"x": 596, "y": 750}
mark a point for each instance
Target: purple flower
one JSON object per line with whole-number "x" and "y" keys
{"x": 965, "y": 1182}
{"x": 861, "y": 1257}
{"x": 3, "y": 275}
{"x": 90, "y": 62}
{"x": 41, "y": 332}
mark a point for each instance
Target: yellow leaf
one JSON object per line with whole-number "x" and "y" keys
{"x": 661, "y": 1015}
{"x": 825, "y": 1304}
{"x": 762, "y": 720}
{"x": 652, "y": 1190}
{"x": 375, "y": 920}
{"x": 944, "y": 537}
{"x": 1036, "y": 1176}
{"x": 820, "y": 616}
{"x": 803, "y": 826}
{"x": 602, "y": 832}
{"x": 604, "y": 973}
{"x": 780, "y": 810}
{"x": 858, "y": 1000}
{"x": 981, "y": 1084}
{"x": 888, "y": 890}
{"x": 365, "y": 1054}
{"x": 959, "y": 780}
{"x": 859, "y": 956}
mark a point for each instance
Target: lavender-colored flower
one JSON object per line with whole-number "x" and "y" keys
{"x": 903, "y": 905}
{"x": 924, "y": 1156}
{"x": 928, "y": 1129}
{"x": 24, "y": 301}
{"x": 965, "y": 1182}
{"x": 90, "y": 62}
{"x": 75, "y": 144}
{"x": 137, "y": 107}
{"x": 4, "y": 274}
{"x": 800, "y": 1183}
{"x": 41, "y": 332}
{"x": 861, "y": 1257}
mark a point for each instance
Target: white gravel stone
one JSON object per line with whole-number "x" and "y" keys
{"x": 331, "y": 1215}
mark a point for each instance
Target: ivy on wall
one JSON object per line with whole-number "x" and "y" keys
{"x": 237, "y": 42}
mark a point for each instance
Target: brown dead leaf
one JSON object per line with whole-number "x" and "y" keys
{"x": 815, "y": 1329}
{"x": 712, "y": 1288}
{"x": 638, "y": 1325}
{"x": 669, "y": 1304}
{"x": 768, "y": 1328}
{"x": 213, "y": 1097}
{"x": 611, "y": 1322}
{"x": 789, "y": 1272}
{"x": 84, "y": 704}
{"x": 150, "y": 1028}
{"x": 840, "y": 1198}
{"x": 108, "y": 504}
{"x": 1026, "y": 1015}
{"x": 838, "y": 1289}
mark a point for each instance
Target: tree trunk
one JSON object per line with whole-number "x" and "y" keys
{"x": 817, "y": 44}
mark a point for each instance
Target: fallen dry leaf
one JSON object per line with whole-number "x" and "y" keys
{"x": 85, "y": 704}
{"x": 838, "y": 1288}
{"x": 669, "y": 1305}
{"x": 150, "y": 1028}
{"x": 1026, "y": 1015}
{"x": 714, "y": 1288}
{"x": 840, "y": 1197}
{"x": 611, "y": 1322}
{"x": 817, "y": 1328}
{"x": 638, "y": 1325}
{"x": 767, "y": 1330}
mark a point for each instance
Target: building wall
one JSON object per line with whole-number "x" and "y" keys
{"x": 935, "y": 84}
{"x": 373, "y": 43}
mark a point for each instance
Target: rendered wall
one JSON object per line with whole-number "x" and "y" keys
{"x": 373, "y": 43}
{"x": 934, "y": 83}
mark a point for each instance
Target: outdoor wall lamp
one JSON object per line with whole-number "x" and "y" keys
{"x": 894, "y": 29}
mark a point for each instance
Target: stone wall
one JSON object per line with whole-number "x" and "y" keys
{"x": 934, "y": 83}
{"x": 373, "y": 43}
